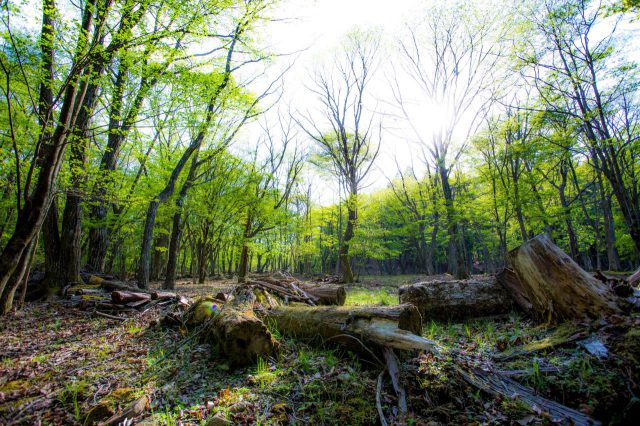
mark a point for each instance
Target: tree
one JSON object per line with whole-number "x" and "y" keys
{"x": 567, "y": 62}
{"x": 251, "y": 12}
{"x": 348, "y": 146}
{"x": 451, "y": 56}
{"x": 65, "y": 92}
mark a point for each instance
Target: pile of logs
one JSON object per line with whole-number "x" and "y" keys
{"x": 236, "y": 321}
{"x": 109, "y": 298}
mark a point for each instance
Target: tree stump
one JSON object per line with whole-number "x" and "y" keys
{"x": 556, "y": 286}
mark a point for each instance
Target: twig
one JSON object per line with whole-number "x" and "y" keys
{"x": 383, "y": 421}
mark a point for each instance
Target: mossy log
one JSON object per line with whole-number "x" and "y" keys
{"x": 556, "y": 286}
{"x": 457, "y": 299}
{"x": 357, "y": 328}
{"x": 234, "y": 329}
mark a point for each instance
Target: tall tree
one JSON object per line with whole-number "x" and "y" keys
{"x": 348, "y": 146}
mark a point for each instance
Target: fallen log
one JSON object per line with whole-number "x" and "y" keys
{"x": 556, "y": 286}
{"x": 326, "y": 294}
{"x": 163, "y": 295}
{"x": 358, "y": 328}
{"x": 457, "y": 299}
{"x": 124, "y": 297}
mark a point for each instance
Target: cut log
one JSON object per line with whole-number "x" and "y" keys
{"x": 163, "y": 295}
{"x": 123, "y": 297}
{"x": 326, "y": 294}
{"x": 234, "y": 329}
{"x": 557, "y": 287}
{"x": 457, "y": 299}
{"x": 358, "y": 328}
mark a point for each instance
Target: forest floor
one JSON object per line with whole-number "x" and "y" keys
{"x": 60, "y": 365}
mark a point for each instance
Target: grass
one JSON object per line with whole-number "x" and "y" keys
{"x": 359, "y": 296}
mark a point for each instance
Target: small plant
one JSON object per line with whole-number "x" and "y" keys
{"x": 264, "y": 375}
{"x": 71, "y": 392}
{"x": 304, "y": 360}
{"x": 538, "y": 378}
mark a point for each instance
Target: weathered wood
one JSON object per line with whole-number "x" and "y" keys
{"x": 505, "y": 387}
{"x": 509, "y": 280}
{"x": 557, "y": 287}
{"x": 457, "y": 299}
{"x": 123, "y": 297}
{"x": 357, "y": 328}
{"x": 326, "y": 294}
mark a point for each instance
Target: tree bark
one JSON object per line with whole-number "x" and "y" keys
{"x": 352, "y": 217}
{"x": 557, "y": 288}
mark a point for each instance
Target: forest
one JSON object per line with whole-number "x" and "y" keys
{"x": 419, "y": 214}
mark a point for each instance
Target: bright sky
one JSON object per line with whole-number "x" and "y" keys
{"x": 313, "y": 30}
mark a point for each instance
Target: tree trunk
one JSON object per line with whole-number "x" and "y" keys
{"x": 145, "y": 252}
{"x": 443, "y": 300}
{"x": 557, "y": 288}
{"x": 20, "y": 277}
{"x": 174, "y": 246}
{"x": 352, "y": 217}
{"x": 456, "y": 261}
{"x": 242, "y": 266}
{"x": 609, "y": 232}
{"x": 54, "y": 278}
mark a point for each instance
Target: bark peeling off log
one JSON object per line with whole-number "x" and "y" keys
{"x": 557, "y": 287}
{"x": 457, "y": 299}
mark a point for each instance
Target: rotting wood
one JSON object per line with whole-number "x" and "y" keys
{"x": 498, "y": 385}
{"x": 557, "y": 287}
{"x": 234, "y": 328}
